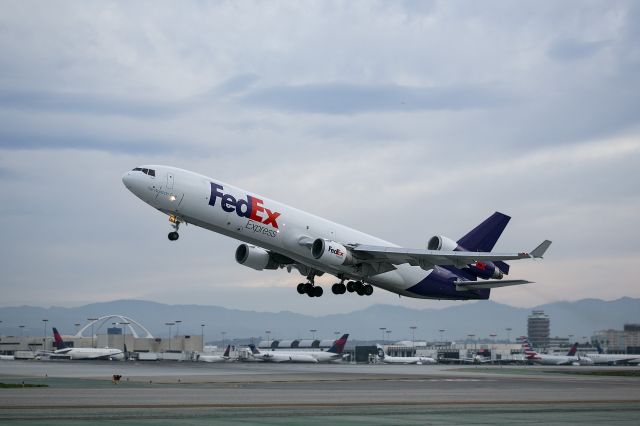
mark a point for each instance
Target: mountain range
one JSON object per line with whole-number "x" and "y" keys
{"x": 481, "y": 319}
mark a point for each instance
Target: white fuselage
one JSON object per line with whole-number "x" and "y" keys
{"x": 188, "y": 196}
{"x": 544, "y": 359}
{"x": 319, "y": 356}
{"x": 212, "y": 358}
{"x": 91, "y": 353}
{"x": 276, "y": 356}
{"x": 599, "y": 358}
{"x": 406, "y": 360}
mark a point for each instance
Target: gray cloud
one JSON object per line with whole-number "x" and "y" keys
{"x": 402, "y": 120}
{"x": 345, "y": 98}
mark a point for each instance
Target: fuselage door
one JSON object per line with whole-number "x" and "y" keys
{"x": 169, "y": 180}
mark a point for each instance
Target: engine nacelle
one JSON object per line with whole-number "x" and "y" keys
{"x": 486, "y": 270}
{"x": 439, "y": 242}
{"x": 331, "y": 253}
{"x": 255, "y": 257}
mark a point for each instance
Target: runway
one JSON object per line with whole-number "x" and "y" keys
{"x": 259, "y": 393}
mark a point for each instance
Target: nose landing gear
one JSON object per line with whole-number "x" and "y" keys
{"x": 175, "y": 223}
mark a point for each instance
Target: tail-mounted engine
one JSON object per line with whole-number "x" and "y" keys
{"x": 331, "y": 253}
{"x": 438, "y": 242}
{"x": 255, "y": 257}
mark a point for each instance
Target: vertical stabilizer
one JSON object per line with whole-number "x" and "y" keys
{"x": 484, "y": 236}
{"x": 58, "y": 343}
{"x": 338, "y": 345}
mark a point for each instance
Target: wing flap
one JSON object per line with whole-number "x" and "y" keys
{"x": 428, "y": 258}
{"x": 472, "y": 285}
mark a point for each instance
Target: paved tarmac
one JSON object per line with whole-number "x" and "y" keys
{"x": 261, "y": 393}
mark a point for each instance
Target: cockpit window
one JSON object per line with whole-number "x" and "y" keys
{"x": 149, "y": 172}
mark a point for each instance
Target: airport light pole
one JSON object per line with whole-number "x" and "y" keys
{"x": 268, "y": 332}
{"x": 93, "y": 321}
{"x": 44, "y": 335}
{"x": 202, "y": 335}
{"x": 508, "y": 334}
{"x": 77, "y": 327}
{"x": 21, "y": 330}
{"x": 413, "y": 336}
{"x": 442, "y": 330}
{"x": 178, "y": 332}
{"x": 471, "y": 337}
{"x": 170, "y": 324}
{"x": 313, "y": 331}
{"x": 388, "y": 335}
{"x": 223, "y": 333}
{"x": 382, "y": 329}
{"x": 124, "y": 338}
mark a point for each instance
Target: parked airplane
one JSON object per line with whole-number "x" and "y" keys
{"x": 278, "y": 236}
{"x": 601, "y": 358}
{"x": 84, "y": 353}
{"x": 334, "y": 353}
{"x": 215, "y": 358}
{"x": 382, "y": 357}
{"x": 544, "y": 359}
{"x": 275, "y": 356}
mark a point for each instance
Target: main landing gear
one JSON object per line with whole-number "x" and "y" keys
{"x": 310, "y": 288}
{"x": 358, "y": 287}
{"x": 175, "y": 223}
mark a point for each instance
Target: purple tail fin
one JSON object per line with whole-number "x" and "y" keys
{"x": 484, "y": 236}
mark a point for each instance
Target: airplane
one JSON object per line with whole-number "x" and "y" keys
{"x": 84, "y": 353}
{"x": 601, "y": 358}
{"x": 382, "y": 357}
{"x": 215, "y": 358}
{"x": 277, "y": 236}
{"x": 334, "y": 353}
{"x": 276, "y": 356}
{"x": 474, "y": 359}
{"x": 569, "y": 359}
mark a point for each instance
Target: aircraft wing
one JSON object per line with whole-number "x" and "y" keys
{"x": 427, "y": 259}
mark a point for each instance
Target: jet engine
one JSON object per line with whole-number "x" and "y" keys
{"x": 331, "y": 253}
{"x": 438, "y": 242}
{"x": 255, "y": 257}
{"x": 486, "y": 270}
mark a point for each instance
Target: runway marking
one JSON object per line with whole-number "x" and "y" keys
{"x": 321, "y": 404}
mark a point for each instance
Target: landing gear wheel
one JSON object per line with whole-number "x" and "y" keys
{"x": 338, "y": 288}
{"x": 173, "y": 236}
{"x": 317, "y": 291}
{"x": 351, "y": 286}
{"x": 308, "y": 288}
{"x": 368, "y": 290}
{"x": 300, "y": 288}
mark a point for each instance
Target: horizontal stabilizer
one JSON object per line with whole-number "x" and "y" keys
{"x": 539, "y": 251}
{"x": 473, "y": 285}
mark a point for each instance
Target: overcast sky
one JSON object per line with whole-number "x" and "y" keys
{"x": 401, "y": 119}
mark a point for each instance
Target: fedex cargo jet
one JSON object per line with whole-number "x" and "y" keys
{"x": 277, "y": 236}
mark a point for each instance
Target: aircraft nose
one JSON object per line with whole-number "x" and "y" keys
{"x": 126, "y": 179}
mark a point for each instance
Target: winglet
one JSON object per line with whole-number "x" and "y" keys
{"x": 539, "y": 251}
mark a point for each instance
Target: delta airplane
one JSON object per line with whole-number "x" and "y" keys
{"x": 334, "y": 353}
{"x": 215, "y": 358}
{"x": 382, "y": 357}
{"x": 601, "y": 358}
{"x": 84, "y": 353}
{"x": 275, "y": 356}
{"x": 569, "y": 359}
{"x": 277, "y": 236}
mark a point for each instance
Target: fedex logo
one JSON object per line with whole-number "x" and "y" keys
{"x": 250, "y": 208}
{"x": 337, "y": 251}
